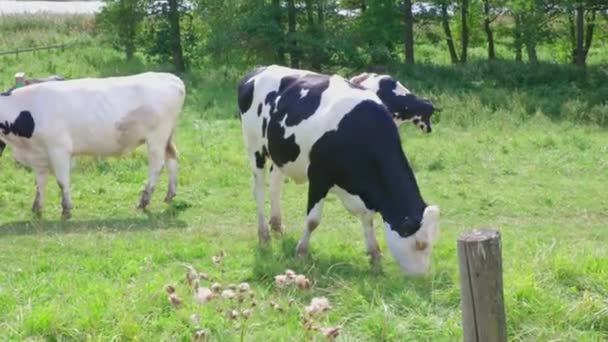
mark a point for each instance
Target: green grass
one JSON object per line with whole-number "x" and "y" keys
{"x": 505, "y": 155}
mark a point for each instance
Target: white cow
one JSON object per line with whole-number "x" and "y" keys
{"x": 46, "y": 124}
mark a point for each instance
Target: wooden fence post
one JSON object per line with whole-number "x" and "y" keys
{"x": 483, "y": 309}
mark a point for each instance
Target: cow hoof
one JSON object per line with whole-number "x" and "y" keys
{"x": 143, "y": 204}
{"x": 264, "y": 237}
{"x": 301, "y": 251}
{"x": 375, "y": 258}
{"x": 37, "y": 210}
{"x": 276, "y": 226}
{"x": 170, "y": 196}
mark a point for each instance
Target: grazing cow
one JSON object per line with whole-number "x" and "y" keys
{"x": 341, "y": 138}
{"x": 47, "y": 123}
{"x": 404, "y": 105}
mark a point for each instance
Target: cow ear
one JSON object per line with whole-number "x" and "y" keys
{"x": 359, "y": 78}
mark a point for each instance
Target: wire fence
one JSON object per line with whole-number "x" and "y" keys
{"x": 62, "y": 47}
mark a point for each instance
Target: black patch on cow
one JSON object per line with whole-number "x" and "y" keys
{"x": 264, "y": 125}
{"x": 364, "y": 157}
{"x": 260, "y": 108}
{"x": 245, "y": 90}
{"x": 23, "y": 126}
{"x": 260, "y": 157}
{"x": 293, "y": 108}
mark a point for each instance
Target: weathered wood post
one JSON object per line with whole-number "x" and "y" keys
{"x": 483, "y": 309}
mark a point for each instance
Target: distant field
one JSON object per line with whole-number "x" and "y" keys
{"x": 518, "y": 148}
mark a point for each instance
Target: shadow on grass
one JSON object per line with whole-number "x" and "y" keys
{"x": 154, "y": 221}
{"x": 338, "y": 270}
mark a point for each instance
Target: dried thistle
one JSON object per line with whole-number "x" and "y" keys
{"x": 191, "y": 274}
{"x": 317, "y": 305}
{"x": 331, "y": 332}
{"x": 244, "y": 287}
{"x": 290, "y": 274}
{"x": 302, "y": 282}
{"x": 200, "y": 335}
{"x": 216, "y": 287}
{"x": 204, "y": 295}
{"x": 281, "y": 281}
{"x": 247, "y": 313}
{"x": 228, "y": 294}
{"x": 175, "y": 300}
{"x": 195, "y": 319}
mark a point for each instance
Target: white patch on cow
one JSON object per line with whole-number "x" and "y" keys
{"x": 400, "y": 90}
{"x": 414, "y": 252}
{"x": 353, "y": 203}
{"x": 304, "y": 92}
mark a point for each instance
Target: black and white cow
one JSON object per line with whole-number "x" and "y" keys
{"x": 405, "y": 106}
{"x": 45, "y": 124}
{"x": 341, "y": 138}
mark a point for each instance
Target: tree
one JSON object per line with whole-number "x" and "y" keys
{"x": 488, "y": 18}
{"x": 445, "y": 23}
{"x": 277, "y": 15}
{"x": 176, "y": 45}
{"x": 464, "y": 9}
{"x": 121, "y": 19}
{"x": 582, "y": 33}
{"x": 532, "y": 18}
{"x": 409, "y": 32}
{"x": 291, "y": 35}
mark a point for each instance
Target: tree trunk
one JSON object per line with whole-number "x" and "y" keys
{"x": 313, "y": 36}
{"x": 291, "y": 35}
{"x": 176, "y": 44}
{"x": 363, "y": 6}
{"x": 488, "y": 29}
{"x": 276, "y": 9}
{"x": 518, "y": 39}
{"x": 465, "y": 30}
{"x": 409, "y": 32}
{"x": 572, "y": 29}
{"x": 580, "y": 31}
{"x": 321, "y": 32}
{"x": 531, "y": 50}
{"x": 445, "y": 21}
{"x": 589, "y": 34}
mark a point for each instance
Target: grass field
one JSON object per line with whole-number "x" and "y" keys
{"x": 523, "y": 150}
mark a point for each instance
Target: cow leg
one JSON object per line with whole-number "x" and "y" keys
{"x": 259, "y": 184}
{"x": 373, "y": 250}
{"x": 317, "y": 190}
{"x": 60, "y": 163}
{"x": 42, "y": 176}
{"x": 276, "y": 186}
{"x": 313, "y": 219}
{"x": 171, "y": 161}
{"x": 155, "y": 166}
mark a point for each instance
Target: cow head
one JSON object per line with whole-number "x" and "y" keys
{"x": 413, "y": 252}
{"x": 404, "y": 105}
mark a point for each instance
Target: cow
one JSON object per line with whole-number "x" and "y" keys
{"x": 47, "y": 123}
{"x": 404, "y": 105}
{"x": 341, "y": 138}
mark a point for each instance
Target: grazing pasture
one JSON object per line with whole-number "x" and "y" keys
{"x": 524, "y": 150}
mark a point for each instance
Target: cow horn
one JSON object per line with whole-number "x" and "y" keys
{"x": 359, "y": 78}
